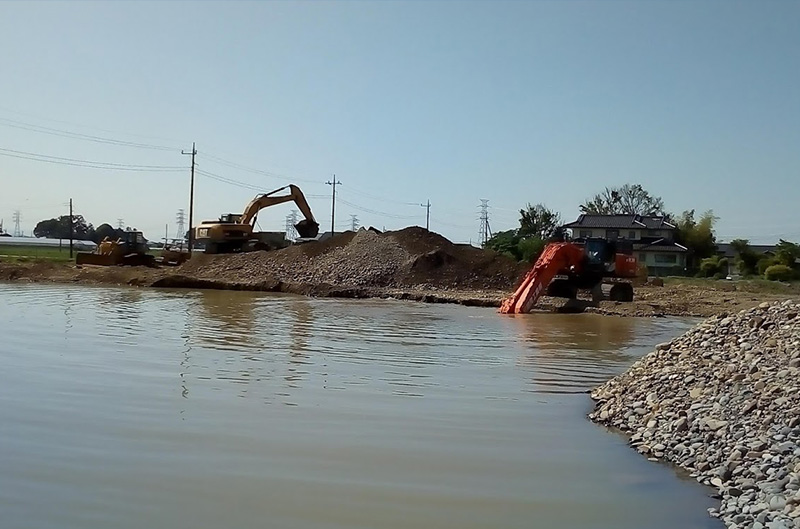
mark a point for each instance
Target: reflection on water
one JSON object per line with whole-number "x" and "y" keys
{"x": 301, "y": 317}
{"x": 140, "y": 408}
{"x": 571, "y": 353}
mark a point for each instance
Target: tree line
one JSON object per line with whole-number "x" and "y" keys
{"x": 59, "y": 228}
{"x": 539, "y": 225}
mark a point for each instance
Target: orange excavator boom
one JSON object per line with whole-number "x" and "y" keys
{"x": 556, "y": 258}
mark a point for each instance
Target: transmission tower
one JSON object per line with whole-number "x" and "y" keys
{"x": 291, "y": 231}
{"x": 180, "y": 219}
{"x": 120, "y": 224}
{"x": 17, "y": 216}
{"x": 485, "y": 232}
{"x": 353, "y": 222}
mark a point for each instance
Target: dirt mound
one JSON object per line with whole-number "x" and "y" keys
{"x": 409, "y": 257}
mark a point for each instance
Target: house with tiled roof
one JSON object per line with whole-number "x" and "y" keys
{"x": 652, "y": 237}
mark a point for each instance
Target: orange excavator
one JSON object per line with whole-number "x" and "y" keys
{"x": 565, "y": 267}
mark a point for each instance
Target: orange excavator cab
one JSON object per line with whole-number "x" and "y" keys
{"x": 565, "y": 267}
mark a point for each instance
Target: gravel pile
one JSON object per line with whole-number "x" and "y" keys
{"x": 409, "y": 257}
{"x": 723, "y": 402}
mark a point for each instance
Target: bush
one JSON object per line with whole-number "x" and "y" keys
{"x": 779, "y": 273}
{"x": 712, "y": 266}
{"x": 530, "y": 249}
{"x": 764, "y": 263}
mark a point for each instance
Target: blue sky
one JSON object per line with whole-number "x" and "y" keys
{"x": 514, "y": 102}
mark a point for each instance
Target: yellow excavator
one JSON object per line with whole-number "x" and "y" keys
{"x": 234, "y": 232}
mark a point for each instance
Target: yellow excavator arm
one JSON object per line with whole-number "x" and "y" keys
{"x": 305, "y": 228}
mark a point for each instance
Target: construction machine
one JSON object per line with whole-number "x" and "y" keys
{"x": 129, "y": 250}
{"x": 565, "y": 267}
{"x": 175, "y": 252}
{"x": 234, "y": 232}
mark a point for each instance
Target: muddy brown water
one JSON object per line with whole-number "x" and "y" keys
{"x": 134, "y": 408}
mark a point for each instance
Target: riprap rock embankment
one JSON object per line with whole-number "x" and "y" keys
{"x": 723, "y": 402}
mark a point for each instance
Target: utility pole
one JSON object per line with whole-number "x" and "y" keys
{"x": 191, "y": 199}
{"x": 333, "y": 203}
{"x": 70, "y": 228}
{"x": 427, "y": 214}
{"x": 353, "y": 222}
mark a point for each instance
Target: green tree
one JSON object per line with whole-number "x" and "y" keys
{"x": 630, "y": 199}
{"x": 60, "y": 228}
{"x": 540, "y": 222}
{"x": 505, "y": 242}
{"x": 714, "y": 266}
{"x": 697, "y": 236}
{"x": 537, "y": 226}
{"x": 748, "y": 262}
{"x": 787, "y": 253}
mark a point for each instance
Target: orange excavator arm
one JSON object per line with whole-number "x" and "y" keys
{"x": 556, "y": 257}
{"x": 306, "y": 228}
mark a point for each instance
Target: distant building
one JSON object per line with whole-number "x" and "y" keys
{"x": 652, "y": 236}
{"x": 47, "y": 243}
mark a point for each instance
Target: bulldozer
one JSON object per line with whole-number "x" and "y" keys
{"x": 128, "y": 250}
{"x": 234, "y": 232}
{"x": 563, "y": 268}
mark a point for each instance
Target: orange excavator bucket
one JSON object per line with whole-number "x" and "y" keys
{"x": 556, "y": 257}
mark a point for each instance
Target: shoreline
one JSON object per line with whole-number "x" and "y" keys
{"x": 679, "y": 299}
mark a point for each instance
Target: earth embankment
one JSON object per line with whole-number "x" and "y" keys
{"x": 412, "y": 263}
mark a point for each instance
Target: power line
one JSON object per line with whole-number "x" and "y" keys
{"x": 78, "y": 136}
{"x": 375, "y": 197}
{"x": 376, "y": 212}
{"x": 87, "y": 163}
{"x": 450, "y": 224}
{"x": 239, "y": 183}
{"x": 27, "y": 114}
{"x": 235, "y": 165}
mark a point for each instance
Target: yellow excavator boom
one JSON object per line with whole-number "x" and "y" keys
{"x": 269, "y": 199}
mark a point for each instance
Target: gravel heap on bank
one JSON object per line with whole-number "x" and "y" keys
{"x": 409, "y": 257}
{"x": 723, "y": 402}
